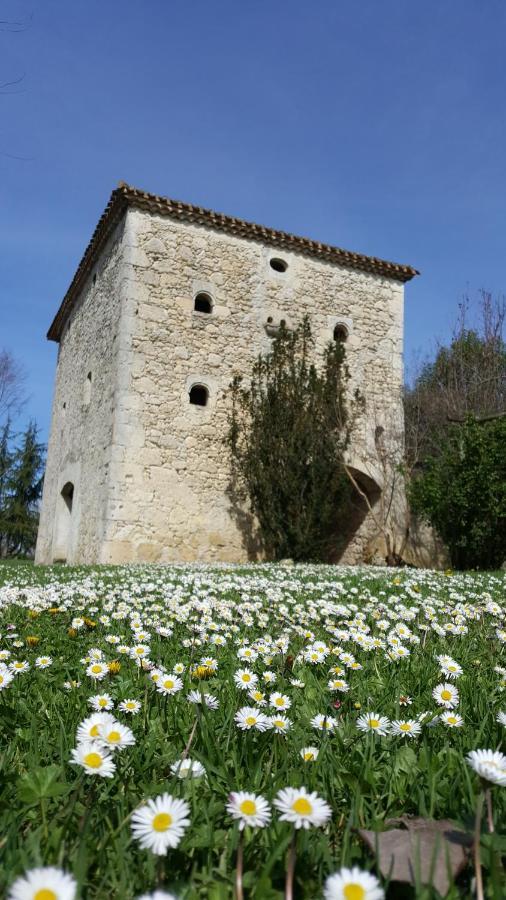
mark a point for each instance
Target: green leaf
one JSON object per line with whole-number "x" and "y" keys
{"x": 41, "y": 784}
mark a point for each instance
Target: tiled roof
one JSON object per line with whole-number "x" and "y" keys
{"x": 125, "y": 197}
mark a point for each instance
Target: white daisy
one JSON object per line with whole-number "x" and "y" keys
{"x": 115, "y": 735}
{"x": 446, "y": 695}
{"x": 169, "y": 684}
{"x": 489, "y": 764}
{"x": 324, "y": 723}
{"x": 249, "y": 809}
{"x": 47, "y": 883}
{"x": 406, "y": 727}
{"x": 352, "y": 884}
{"x": 160, "y": 823}
{"x": 97, "y": 670}
{"x": 188, "y": 768}
{"x": 280, "y": 701}
{"x": 89, "y": 728}
{"x": 94, "y": 759}
{"x": 258, "y": 697}
{"x": 309, "y": 754}
{"x": 43, "y": 662}
{"x": 130, "y": 706}
{"x": 338, "y": 684}
{"x": 501, "y": 718}
{"x": 280, "y": 724}
{"x": 249, "y": 717}
{"x": 158, "y": 895}
{"x": 208, "y": 700}
{"x": 245, "y": 679}
{"x": 374, "y": 722}
{"x": 301, "y": 808}
{"x": 451, "y": 719}
{"x": 101, "y": 701}
{"x": 5, "y": 678}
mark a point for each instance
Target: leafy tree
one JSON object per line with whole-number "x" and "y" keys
{"x": 467, "y": 378}
{"x": 462, "y": 492}
{"x": 21, "y": 492}
{"x": 288, "y": 430}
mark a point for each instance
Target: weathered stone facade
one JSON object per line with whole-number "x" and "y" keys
{"x": 135, "y": 472}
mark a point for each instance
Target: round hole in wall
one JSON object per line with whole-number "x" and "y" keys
{"x": 279, "y": 265}
{"x": 269, "y": 320}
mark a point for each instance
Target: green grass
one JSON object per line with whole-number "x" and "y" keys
{"x": 52, "y": 813}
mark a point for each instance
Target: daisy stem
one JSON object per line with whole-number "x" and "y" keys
{"x": 290, "y": 869}
{"x": 190, "y": 739}
{"x": 238, "y": 872}
{"x": 44, "y": 818}
{"x": 490, "y": 815}
{"x": 476, "y": 847}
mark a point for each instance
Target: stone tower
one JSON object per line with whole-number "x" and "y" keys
{"x": 168, "y": 302}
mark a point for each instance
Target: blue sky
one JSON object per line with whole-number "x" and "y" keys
{"x": 376, "y": 125}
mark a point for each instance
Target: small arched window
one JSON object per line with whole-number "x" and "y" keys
{"x": 67, "y": 493}
{"x": 340, "y": 333}
{"x": 199, "y": 395}
{"x": 279, "y": 265}
{"x": 203, "y": 303}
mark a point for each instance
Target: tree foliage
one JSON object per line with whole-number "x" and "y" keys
{"x": 288, "y": 430}
{"x": 21, "y": 468}
{"x": 466, "y": 378}
{"x": 462, "y": 493}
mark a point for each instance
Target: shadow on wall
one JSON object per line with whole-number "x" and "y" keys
{"x": 424, "y": 548}
{"x": 348, "y": 539}
{"x": 351, "y": 534}
{"x": 245, "y": 521}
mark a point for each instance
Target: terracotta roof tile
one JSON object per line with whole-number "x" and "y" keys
{"x": 125, "y": 197}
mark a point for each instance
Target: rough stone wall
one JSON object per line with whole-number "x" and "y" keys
{"x": 167, "y": 496}
{"x": 81, "y": 438}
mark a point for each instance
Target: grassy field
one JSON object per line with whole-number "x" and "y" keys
{"x": 193, "y": 646}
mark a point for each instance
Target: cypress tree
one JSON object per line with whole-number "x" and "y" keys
{"x": 288, "y": 431}
{"x": 22, "y": 494}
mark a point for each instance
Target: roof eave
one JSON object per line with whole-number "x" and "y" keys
{"x": 125, "y": 197}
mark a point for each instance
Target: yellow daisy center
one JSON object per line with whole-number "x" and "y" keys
{"x": 162, "y": 821}
{"x": 248, "y": 807}
{"x": 113, "y": 737}
{"x": 246, "y": 678}
{"x": 102, "y": 702}
{"x": 96, "y": 668}
{"x": 308, "y": 756}
{"x": 302, "y": 806}
{"x": 446, "y": 695}
{"x": 93, "y": 760}
{"x": 251, "y": 720}
{"x": 130, "y": 705}
{"x": 279, "y": 723}
{"x": 2, "y": 679}
{"x": 94, "y": 731}
{"x": 374, "y": 723}
{"x": 354, "y": 892}
{"x": 405, "y": 726}
{"x": 45, "y": 894}
{"x": 279, "y": 701}
{"x": 168, "y": 684}
{"x": 452, "y": 720}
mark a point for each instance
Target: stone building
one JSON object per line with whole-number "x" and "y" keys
{"x": 170, "y": 301}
